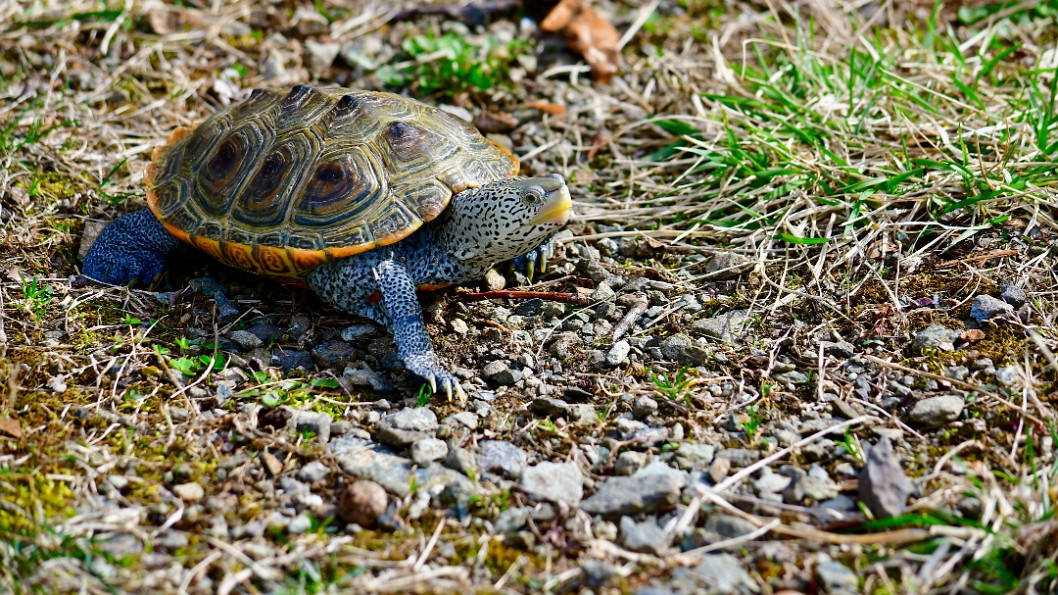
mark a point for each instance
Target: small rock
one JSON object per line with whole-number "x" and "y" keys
{"x": 557, "y": 481}
{"x": 716, "y": 573}
{"x": 935, "y": 336}
{"x": 837, "y": 579}
{"x": 681, "y": 349}
{"x": 293, "y": 359}
{"x": 634, "y": 495}
{"x": 362, "y": 502}
{"x": 719, "y": 469}
{"x": 511, "y": 520}
{"x": 313, "y": 472}
{"x": 1013, "y": 295}
{"x": 461, "y": 460}
{"x": 494, "y": 280}
{"x": 320, "y": 56}
{"x": 189, "y": 492}
{"x": 644, "y": 406}
{"x": 458, "y": 326}
{"x": 772, "y": 483}
{"x": 739, "y": 457}
{"x": 299, "y": 524}
{"x": 500, "y": 373}
{"x": 883, "y": 486}
{"x": 694, "y": 456}
{"x": 246, "y": 339}
{"x": 728, "y": 526}
{"x": 317, "y": 423}
{"x": 646, "y": 537}
{"x": 934, "y": 412}
{"x": 548, "y": 407}
{"x": 602, "y": 293}
{"x": 271, "y": 464}
{"x": 808, "y": 487}
{"x": 355, "y": 332}
{"x": 428, "y": 450}
{"x": 1008, "y": 375}
{"x": 597, "y": 572}
{"x": 618, "y": 353}
{"x": 629, "y": 461}
{"x": 501, "y": 457}
{"x": 727, "y": 327}
{"x": 957, "y": 372}
{"x": 842, "y": 349}
{"x": 724, "y": 266}
{"x": 174, "y": 540}
{"x": 986, "y": 307}
{"x": 334, "y": 354}
{"x": 405, "y": 426}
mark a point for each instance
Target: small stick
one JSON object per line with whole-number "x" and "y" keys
{"x": 565, "y": 298}
{"x": 980, "y": 258}
{"x": 638, "y": 307}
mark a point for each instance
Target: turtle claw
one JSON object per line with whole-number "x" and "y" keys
{"x": 427, "y": 368}
{"x": 535, "y": 260}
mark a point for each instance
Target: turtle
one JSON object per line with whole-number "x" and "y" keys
{"x": 362, "y": 196}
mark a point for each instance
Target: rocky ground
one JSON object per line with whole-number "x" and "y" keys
{"x": 808, "y": 345}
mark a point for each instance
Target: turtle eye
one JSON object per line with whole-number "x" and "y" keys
{"x": 533, "y": 196}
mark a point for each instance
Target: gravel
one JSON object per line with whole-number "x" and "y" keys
{"x": 934, "y": 412}
{"x": 883, "y": 486}
{"x": 986, "y": 307}
{"x": 556, "y": 481}
{"x": 634, "y": 495}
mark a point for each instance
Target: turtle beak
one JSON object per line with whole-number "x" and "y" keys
{"x": 556, "y": 209}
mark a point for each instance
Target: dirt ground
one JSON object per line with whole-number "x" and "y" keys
{"x": 799, "y": 335}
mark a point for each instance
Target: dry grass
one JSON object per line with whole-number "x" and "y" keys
{"x": 879, "y": 165}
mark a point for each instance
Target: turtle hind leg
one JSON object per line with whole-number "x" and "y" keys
{"x": 133, "y": 249}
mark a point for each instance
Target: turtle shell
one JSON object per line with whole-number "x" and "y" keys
{"x": 283, "y": 182}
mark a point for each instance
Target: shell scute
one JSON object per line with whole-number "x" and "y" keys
{"x": 287, "y": 180}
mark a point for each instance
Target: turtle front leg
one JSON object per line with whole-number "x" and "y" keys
{"x": 536, "y": 259}
{"x": 133, "y": 249}
{"x": 409, "y": 331}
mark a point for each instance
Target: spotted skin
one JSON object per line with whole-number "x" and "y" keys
{"x": 482, "y": 227}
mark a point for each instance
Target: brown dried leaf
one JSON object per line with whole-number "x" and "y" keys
{"x": 971, "y": 335}
{"x": 491, "y": 121}
{"x": 561, "y": 15}
{"x": 11, "y": 427}
{"x": 588, "y": 34}
{"x": 554, "y": 109}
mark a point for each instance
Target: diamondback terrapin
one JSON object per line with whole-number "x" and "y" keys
{"x": 362, "y": 196}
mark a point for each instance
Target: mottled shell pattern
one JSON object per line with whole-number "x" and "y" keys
{"x": 286, "y": 181}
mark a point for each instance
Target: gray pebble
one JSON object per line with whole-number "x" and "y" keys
{"x": 727, "y": 327}
{"x": 558, "y": 481}
{"x": 646, "y": 537}
{"x": 634, "y": 495}
{"x": 405, "y": 426}
{"x": 618, "y": 353}
{"x": 313, "y": 472}
{"x": 935, "y": 336}
{"x": 644, "y": 406}
{"x": 428, "y": 450}
{"x": 245, "y": 339}
{"x": 629, "y": 461}
{"x": 986, "y": 307}
{"x": 934, "y": 412}
{"x": 694, "y": 456}
{"x": 837, "y": 579}
{"x": 502, "y": 458}
{"x": 1013, "y": 295}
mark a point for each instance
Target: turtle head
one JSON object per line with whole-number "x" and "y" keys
{"x": 505, "y": 219}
